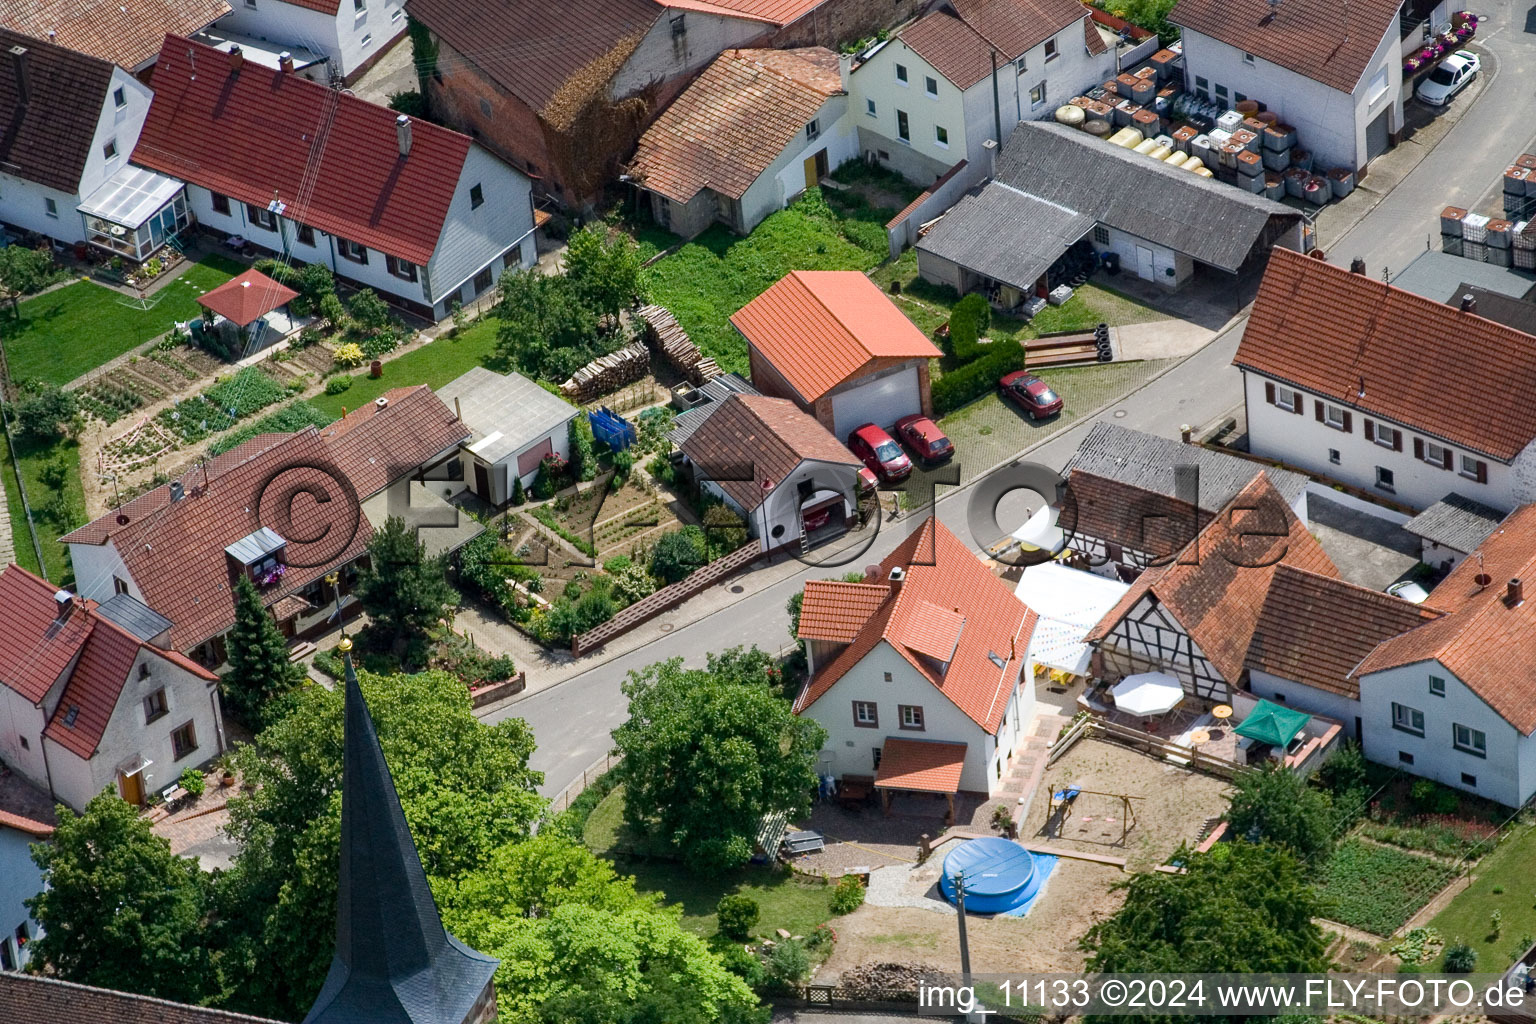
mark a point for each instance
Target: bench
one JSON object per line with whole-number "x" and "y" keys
{"x": 803, "y": 842}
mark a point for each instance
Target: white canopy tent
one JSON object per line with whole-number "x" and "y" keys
{"x": 1148, "y": 693}
{"x": 1069, "y": 602}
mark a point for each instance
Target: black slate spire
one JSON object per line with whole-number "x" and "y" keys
{"x": 394, "y": 964}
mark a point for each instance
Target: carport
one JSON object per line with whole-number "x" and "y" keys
{"x": 920, "y": 766}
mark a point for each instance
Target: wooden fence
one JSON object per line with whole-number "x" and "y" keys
{"x": 1147, "y": 743}
{"x": 666, "y": 598}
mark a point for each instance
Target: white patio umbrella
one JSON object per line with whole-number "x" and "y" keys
{"x": 1148, "y": 693}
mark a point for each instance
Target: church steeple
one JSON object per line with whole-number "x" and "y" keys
{"x": 394, "y": 963}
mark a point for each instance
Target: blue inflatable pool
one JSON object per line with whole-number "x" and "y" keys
{"x": 1000, "y": 876}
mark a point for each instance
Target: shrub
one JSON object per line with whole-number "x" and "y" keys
{"x": 970, "y": 382}
{"x": 369, "y": 311}
{"x": 724, "y": 531}
{"x": 676, "y": 555}
{"x": 968, "y": 321}
{"x": 737, "y": 915}
{"x": 44, "y": 411}
{"x": 742, "y": 964}
{"x": 788, "y": 964}
{"x": 192, "y": 781}
{"x": 409, "y": 102}
{"x": 518, "y": 497}
{"x": 337, "y": 384}
{"x": 623, "y": 464}
{"x": 349, "y": 355}
{"x": 307, "y": 338}
{"x": 631, "y": 582}
{"x": 300, "y": 307}
{"x": 332, "y": 309}
{"x": 1460, "y": 958}
{"x": 583, "y": 458}
{"x": 847, "y": 895}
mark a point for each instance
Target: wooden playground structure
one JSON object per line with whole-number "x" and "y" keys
{"x": 1109, "y": 827}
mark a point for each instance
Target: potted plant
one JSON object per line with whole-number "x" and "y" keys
{"x": 226, "y": 773}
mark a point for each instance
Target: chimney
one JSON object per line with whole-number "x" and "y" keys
{"x": 897, "y": 577}
{"x": 403, "y": 134}
{"x": 1357, "y": 266}
{"x": 177, "y": 491}
{"x": 1515, "y": 595}
{"x": 285, "y": 62}
{"x": 23, "y": 79}
{"x": 236, "y": 59}
{"x": 844, "y": 68}
{"x": 991, "y": 147}
{"x": 1469, "y": 303}
{"x": 63, "y": 603}
{"x": 458, "y": 413}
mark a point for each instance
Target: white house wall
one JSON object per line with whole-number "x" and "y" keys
{"x": 781, "y": 509}
{"x": 660, "y": 57}
{"x": 20, "y": 718}
{"x": 20, "y": 879}
{"x": 851, "y": 748}
{"x": 1300, "y": 440}
{"x": 340, "y": 36}
{"x": 1507, "y": 774}
{"x": 95, "y": 566}
{"x": 188, "y": 698}
{"x": 1306, "y": 698}
{"x": 785, "y": 177}
{"x": 1170, "y": 268}
{"x": 472, "y": 238}
{"x": 1329, "y": 123}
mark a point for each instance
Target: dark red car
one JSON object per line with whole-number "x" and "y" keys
{"x": 1030, "y": 393}
{"x": 923, "y": 438}
{"x": 880, "y": 453}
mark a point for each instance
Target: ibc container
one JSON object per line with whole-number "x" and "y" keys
{"x": 1123, "y": 111}
{"x": 1200, "y": 148}
{"x": 1526, "y": 160}
{"x": 1451, "y": 245}
{"x": 1451, "y": 219}
{"x": 1147, "y": 122}
{"x": 1522, "y": 236}
{"x": 1111, "y": 91}
{"x": 1515, "y": 181}
{"x": 1251, "y": 182}
{"x": 1183, "y": 135}
{"x": 1279, "y": 137}
{"x": 1498, "y": 233}
{"x": 1474, "y": 227}
{"x": 1316, "y": 190}
{"x": 1250, "y": 165}
{"x": 1295, "y": 179}
{"x": 1301, "y": 158}
{"x": 1274, "y": 185}
{"x": 1253, "y": 124}
{"x": 1098, "y": 108}
{"x": 1475, "y": 251}
{"x": 1219, "y": 137}
{"x": 1229, "y": 121}
{"x": 1125, "y": 83}
{"x": 1144, "y": 91}
{"x": 1162, "y": 61}
{"x": 1499, "y": 256}
{"x": 1276, "y": 159}
{"x": 1525, "y": 259}
{"x": 1247, "y": 139}
{"x": 1514, "y": 206}
{"x": 1342, "y": 181}
{"x": 1229, "y": 154}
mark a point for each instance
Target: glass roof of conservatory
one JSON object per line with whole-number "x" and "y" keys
{"x": 131, "y": 196}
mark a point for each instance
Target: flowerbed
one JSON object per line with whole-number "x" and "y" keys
{"x": 1442, "y": 834}
{"x": 1377, "y": 888}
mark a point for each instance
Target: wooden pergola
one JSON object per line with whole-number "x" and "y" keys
{"x": 920, "y": 766}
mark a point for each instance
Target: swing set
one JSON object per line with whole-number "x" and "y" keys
{"x": 1066, "y": 822}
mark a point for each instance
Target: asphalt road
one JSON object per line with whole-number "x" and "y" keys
{"x": 572, "y": 720}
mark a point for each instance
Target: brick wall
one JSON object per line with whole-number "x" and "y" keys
{"x": 838, "y": 21}
{"x": 512, "y": 131}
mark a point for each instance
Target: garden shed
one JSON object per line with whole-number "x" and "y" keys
{"x": 254, "y": 305}
{"x": 513, "y": 425}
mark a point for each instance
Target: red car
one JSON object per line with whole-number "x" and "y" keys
{"x": 880, "y": 453}
{"x": 1030, "y": 393}
{"x": 923, "y": 438}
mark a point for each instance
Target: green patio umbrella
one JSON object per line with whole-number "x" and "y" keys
{"x": 1273, "y": 724}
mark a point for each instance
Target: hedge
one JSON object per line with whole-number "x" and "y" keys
{"x": 968, "y": 321}
{"x": 975, "y": 379}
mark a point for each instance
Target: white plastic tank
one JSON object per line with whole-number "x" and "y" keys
{"x": 1145, "y": 146}
{"x": 1126, "y": 138}
{"x": 1194, "y": 163}
{"x": 1159, "y": 152}
{"x": 1070, "y": 115}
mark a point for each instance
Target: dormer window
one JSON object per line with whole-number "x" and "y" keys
{"x": 70, "y": 716}
{"x": 997, "y": 659}
{"x": 260, "y": 556}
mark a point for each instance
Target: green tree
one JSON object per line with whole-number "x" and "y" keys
{"x": 606, "y": 271}
{"x": 708, "y": 752}
{"x": 22, "y": 271}
{"x": 1245, "y": 909}
{"x": 677, "y": 554}
{"x": 315, "y": 281}
{"x": 120, "y": 910}
{"x": 423, "y": 52}
{"x": 403, "y": 591}
{"x": 1277, "y": 805}
{"x": 1148, "y": 14}
{"x": 260, "y": 676}
{"x": 465, "y": 788}
{"x": 547, "y": 330}
{"x": 409, "y": 102}
{"x": 724, "y": 530}
{"x": 578, "y": 943}
{"x": 368, "y": 311}
{"x": 44, "y": 411}
{"x": 518, "y": 497}
{"x": 583, "y": 454}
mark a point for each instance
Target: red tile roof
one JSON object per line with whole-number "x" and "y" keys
{"x": 267, "y": 123}
{"x": 820, "y": 328}
{"x": 247, "y": 297}
{"x": 958, "y": 40}
{"x": 175, "y": 550}
{"x": 123, "y": 32}
{"x": 734, "y": 121}
{"x": 1216, "y": 589}
{"x": 1328, "y": 42}
{"x": 1316, "y": 629}
{"x": 1127, "y": 515}
{"x": 38, "y": 1000}
{"x": 923, "y": 766}
{"x": 752, "y": 441}
{"x": 932, "y": 631}
{"x": 42, "y": 830}
{"x": 48, "y": 140}
{"x": 773, "y": 12}
{"x": 836, "y": 611}
{"x": 941, "y": 572}
{"x": 1328, "y": 331}
{"x": 36, "y": 651}
{"x": 1484, "y": 642}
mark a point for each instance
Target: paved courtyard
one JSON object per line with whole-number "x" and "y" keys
{"x": 1368, "y": 550}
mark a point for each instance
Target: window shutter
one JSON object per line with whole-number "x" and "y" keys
{"x": 1318, "y": 408}
{"x": 1269, "y": 392}
{"x": 1418, "y": 448}
{"x": 1347, "y": 420}
{"x": 1370, "y": 429}
{"x": 1397, "y": 441}
{"x": 1297, "y": 404}
{"x": 1445, "y": 460}
{"x": 1482, "y": 471}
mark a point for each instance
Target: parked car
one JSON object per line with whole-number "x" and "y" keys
{"x": 1031, "y": 394}
{"x": 880, "y": 452}
{"x": 1454, "y": 74}
{"x": 923, "y": 438}
{"x": 1409, "y": 591}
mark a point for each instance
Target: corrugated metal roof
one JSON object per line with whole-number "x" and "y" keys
{"x": 1009, "y": 235}
{"x": 716, "y": 390}
{"x": 1455, "y": 522}
{"x": 506, "y": 413}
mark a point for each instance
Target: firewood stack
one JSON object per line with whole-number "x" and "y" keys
{"x": 667, "y": 336}
{"x": 607, "y": 373}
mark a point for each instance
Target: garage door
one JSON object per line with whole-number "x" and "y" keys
{"x": 1377, "y": 136}
{"x": 882, "y": 402}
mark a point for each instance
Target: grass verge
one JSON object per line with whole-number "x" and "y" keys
{"x": 51, "y": 519}
{"x": 1503, "y": 883}
{"x": 433, "y": 364}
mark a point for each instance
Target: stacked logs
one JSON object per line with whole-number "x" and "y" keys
{"x": 667, "y": 336}
{"x": 607, "y": 373}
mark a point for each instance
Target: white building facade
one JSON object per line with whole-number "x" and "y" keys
{"x": 351, "y": 34}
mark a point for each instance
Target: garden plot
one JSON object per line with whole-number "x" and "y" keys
{"x": 1376, "y": 888}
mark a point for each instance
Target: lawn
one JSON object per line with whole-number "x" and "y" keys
{"x": 434, "y": 364}
{"x": 717, "y": 273}
{"x": 1377, "y": 888}
{"x": 45, "y": 512}
{"x": 1503, "y": 883}
{"x": 74, "y": 329}
{"x": 785, "y": 900}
